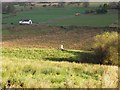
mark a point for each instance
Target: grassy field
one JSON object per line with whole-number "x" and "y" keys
{"x": 43, "y": 65}
{"x": 31, "y": 55}
{"x": 87, "y": 20}
{"x": 63, "y": 16}
{"x": 49, "y": 54}
{"x": 44, "y": 14}
{"x": 33, "y": 68}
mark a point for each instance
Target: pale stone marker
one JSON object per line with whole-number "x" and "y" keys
{"x": 62, "y": 48}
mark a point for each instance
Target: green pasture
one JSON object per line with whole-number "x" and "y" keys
{"x": 43, "y": 14}
{"x": 87, "y": 20}
{"x": 63, "y": 16}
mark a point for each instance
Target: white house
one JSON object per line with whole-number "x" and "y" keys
{"x": 25, "y": 22}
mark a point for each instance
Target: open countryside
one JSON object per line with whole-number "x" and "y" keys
{"x": 63, "y": 16}
{"x": 32, "y": 54}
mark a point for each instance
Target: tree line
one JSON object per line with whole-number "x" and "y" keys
{"x": 9, "y": 7}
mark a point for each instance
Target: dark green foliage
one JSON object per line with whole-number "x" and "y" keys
{"x": 114, "y": 5}
{"x": 106, "y": 48}
{"x": 89, "y": 11}
{"x": 8, "y": 8}
{"x": 85, "y": 4}
{"x": 22, "y": 3}
{"x": 61, "y": 4}
{"x": 102, "y": 9}
{"x": 44, "y": 5}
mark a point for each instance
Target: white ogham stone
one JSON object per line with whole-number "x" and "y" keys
{"x": 62, "y": 47}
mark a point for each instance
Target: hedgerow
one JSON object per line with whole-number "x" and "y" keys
{"x": 106, "y": 48}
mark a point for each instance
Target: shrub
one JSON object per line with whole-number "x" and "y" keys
{"x": 106, "y": 48}
{"x": 44, "y": 5}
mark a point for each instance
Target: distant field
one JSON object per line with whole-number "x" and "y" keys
{"x": 87, "y": 20}
{"x": 43, "y": 14}
{"x": 63, "y": 16}
{"x": 41, "y": 36}
{"x": 38, "y": 68}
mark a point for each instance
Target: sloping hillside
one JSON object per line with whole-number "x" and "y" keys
{"x": 43, "y": 36}
{"x": 38, "y": 68}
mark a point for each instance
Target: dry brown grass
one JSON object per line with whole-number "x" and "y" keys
{"x": 49, "y": 37}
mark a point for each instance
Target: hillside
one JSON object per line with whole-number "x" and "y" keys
{"x": 38, "y": 68}
{"x": 31, "y": 55}
{"x": 43, "y": 36}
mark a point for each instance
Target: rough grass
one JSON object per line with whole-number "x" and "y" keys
{"x": 31, "y": 68}
{"x": 48, "y": 54}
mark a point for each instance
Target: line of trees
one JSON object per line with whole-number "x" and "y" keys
{"x": 9, "y": 7}
{"x": 102, "y": 9}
